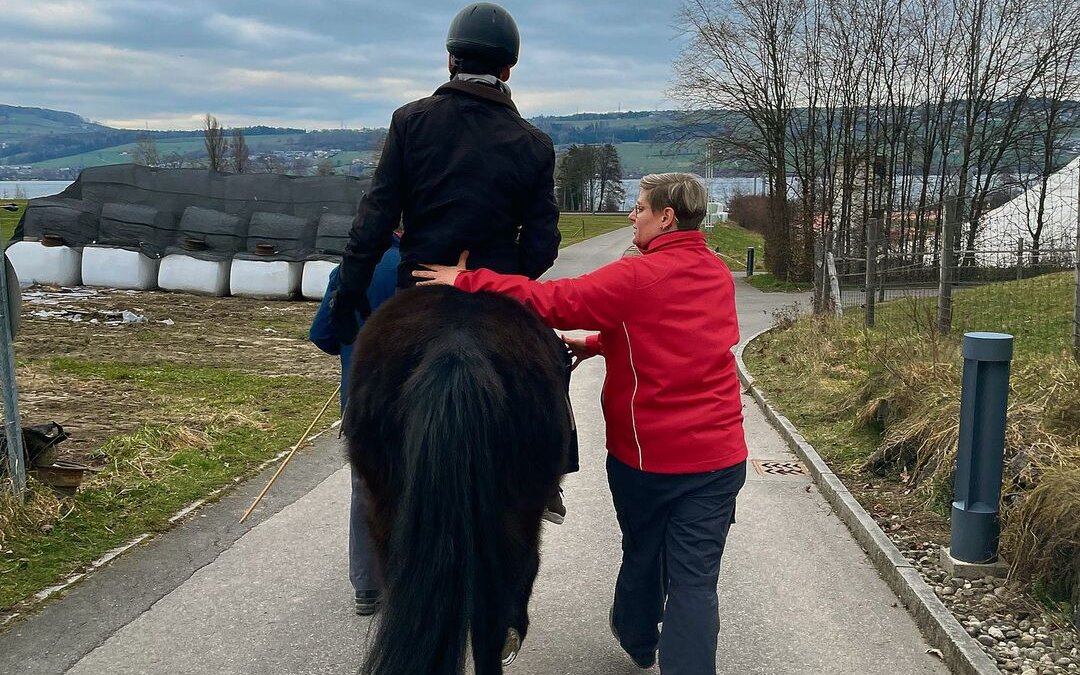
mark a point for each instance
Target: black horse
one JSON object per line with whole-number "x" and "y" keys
{"x": 457, "y": 420}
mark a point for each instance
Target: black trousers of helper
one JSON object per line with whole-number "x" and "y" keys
{"x": 674, "y": 529}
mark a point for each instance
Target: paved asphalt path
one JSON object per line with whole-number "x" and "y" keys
{"x": 797, "y": 595}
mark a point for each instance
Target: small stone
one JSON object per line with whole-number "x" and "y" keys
{"x": 1000, "y": 591}
{"x": 1030, "y": 671}
{"x": 973, "y": 631}
{"x": 987, "y": 640}
{"x": 1011, "y": 665}
{"x": 1027, "y": 640}
{"x": 1012, "y": 633}
{"x": 947, "y": 590}
{"x": 1063, "y": 661}
{"x": 1024, "y": 625}
{"x": 996, "y": 633}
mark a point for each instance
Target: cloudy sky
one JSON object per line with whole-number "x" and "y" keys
{"x": 315, "y": 64}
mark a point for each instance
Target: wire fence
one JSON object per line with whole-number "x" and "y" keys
{"x": 987, "y": 288}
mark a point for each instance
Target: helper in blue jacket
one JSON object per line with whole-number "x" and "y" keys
{"x": 361, "y": 563}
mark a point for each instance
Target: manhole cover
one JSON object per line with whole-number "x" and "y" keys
{"x": 773, "y": 468}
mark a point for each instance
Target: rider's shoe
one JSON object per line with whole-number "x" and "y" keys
{"x": 554, "y": 510}
{"x": 511, "y": 647}
{"x": 367, "y": 602}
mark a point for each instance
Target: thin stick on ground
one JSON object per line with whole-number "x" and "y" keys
{"x": 290, "y": 455}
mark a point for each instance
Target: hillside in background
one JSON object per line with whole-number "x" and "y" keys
{"x": 17, "y": 123}
{"x": 40, "y": 143}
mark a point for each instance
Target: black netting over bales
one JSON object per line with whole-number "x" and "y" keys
{"x": 275, "y": 236}
{"x": 171, "y": 192}
{"x": 137, "y": 228}
{"x": 71, "y": 222}
{"x": 314, "y": 196}
{"x": 209, "y": 235}
{"x": 331, "y": 237}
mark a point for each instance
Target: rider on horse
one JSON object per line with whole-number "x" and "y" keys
{"x": 461, "y": 170}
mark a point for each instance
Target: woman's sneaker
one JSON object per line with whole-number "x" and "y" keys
{"x": 367, "y": 602}
{"x": 644, "y": 663}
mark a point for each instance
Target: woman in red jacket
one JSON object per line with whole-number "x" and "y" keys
{"x": 666, "y": 324}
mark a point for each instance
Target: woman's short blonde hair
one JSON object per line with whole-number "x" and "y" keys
{"x": 683, "y": 192}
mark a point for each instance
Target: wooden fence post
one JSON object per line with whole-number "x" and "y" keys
{"x": 947, "y": 263}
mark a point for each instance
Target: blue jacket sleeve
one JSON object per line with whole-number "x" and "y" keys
{"x": 383, "y": 285}
{"x": 321, "y": 332}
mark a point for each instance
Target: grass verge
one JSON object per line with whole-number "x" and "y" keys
{"x": 770, "y": 284}
{"x": 731, "y": 242}
{"x": 885, "y": 402}
{"x": 216, "y": 425}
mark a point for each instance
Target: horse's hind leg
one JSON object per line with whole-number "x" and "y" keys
{"x": 521, "y": 586}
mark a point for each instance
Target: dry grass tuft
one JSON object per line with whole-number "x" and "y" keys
{"x": 39, "y": 513}
{"x": 1043, "y": 532}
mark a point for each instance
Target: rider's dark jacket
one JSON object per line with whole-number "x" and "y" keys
{"x": 463, "y": 171}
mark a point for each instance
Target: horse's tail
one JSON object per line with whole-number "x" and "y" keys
{"x": 444, "y": 534}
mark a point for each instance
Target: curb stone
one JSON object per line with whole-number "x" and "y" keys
{"x": 962, "y": 654}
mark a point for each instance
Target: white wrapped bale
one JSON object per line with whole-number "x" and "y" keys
{"x": 192, "y": 275}
{"x": 269, "y": 279}
{"x": 316, "y": 278}
{"x": 119, "y": 268}
{"x": 36, "y": 263}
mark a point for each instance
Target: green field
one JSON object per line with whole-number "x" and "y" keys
{"x": 9, "y": 219}
{"x": 575, "y": 228}
{"x": 643, "y": 158}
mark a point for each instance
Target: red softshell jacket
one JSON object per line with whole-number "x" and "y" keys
{"x": 667, "y": 324}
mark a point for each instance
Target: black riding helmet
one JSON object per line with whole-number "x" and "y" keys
{"x": 485, "y": 32}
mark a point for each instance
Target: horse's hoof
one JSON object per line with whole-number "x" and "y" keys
{"x": 511, "y": 646}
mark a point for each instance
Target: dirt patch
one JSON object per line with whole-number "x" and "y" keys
{"x": 260, "y": 337}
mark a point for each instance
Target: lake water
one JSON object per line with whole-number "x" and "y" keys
{"x": 29, "y": 189}
{"x": 720, "y": 189}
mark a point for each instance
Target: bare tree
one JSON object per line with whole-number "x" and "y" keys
{"x": 1003, "y": 59}
{"x": 239, "y": 150}
{"x": 324, "y": 167}
{"x": 214, "y": 139}
{"x": 146, "y": 150}
{"x": 1056, "y": 92}
{"x": 740, "y": 58}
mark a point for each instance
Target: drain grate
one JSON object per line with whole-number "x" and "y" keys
{"x": 774, "y": 468}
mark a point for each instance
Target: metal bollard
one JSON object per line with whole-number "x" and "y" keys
{"x": 977, "y": 487}
{"x": 750, "y": 261}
